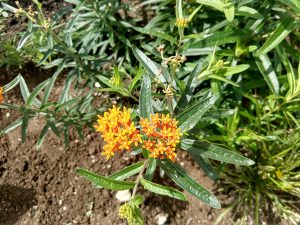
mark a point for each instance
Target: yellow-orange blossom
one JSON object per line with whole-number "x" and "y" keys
{"x": 161, "y": 134}
{"x": 1, "y": 94}
{"x": 118, "y": 131}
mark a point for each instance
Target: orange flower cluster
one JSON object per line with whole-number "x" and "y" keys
{"x": 162, "y": 136}
{"x": 1, "y": 94}
{"x": 118, "y": 131}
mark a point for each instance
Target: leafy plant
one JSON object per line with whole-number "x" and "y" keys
{"x": 226, "y": 71}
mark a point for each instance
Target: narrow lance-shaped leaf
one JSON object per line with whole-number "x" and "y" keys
{"x": 156, "y": 33}
{"x": 206, "y": 166}
{"x": 150, "y": 169}
{"x": 265, "y": 67}
{"x": 24, "y": 89}
{"x": 11, "y": 84}
{"x": 105, "y": 182}
{"x": 23, "y": 40}
{"x": 149, "y": 65}
{"x": 162, "y": 190}
{"x": 126, "y": 172}
{"x": 249, "y": 12}
{"x": 228, "y": 9}
{"x": 286, "y": 25}
{"x": 217, "y": 4}
{"x": 190, "y": 87}
{"x": 191, "y": 116}
{"x": 25, "y": 125}
{"x": 35, "y": 92}
{"x": 12, "y": 126}
{"x": 183, "y": 180}
{"x": 227, "y": 71}
{"x": 178, "y": 10}
{"x": 211, "y": 151}
{"x": 51, "y": 83}
{"x": 145, "y": 99}
{"x": 42, "y": 136}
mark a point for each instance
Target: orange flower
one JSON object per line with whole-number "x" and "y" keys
{"x": 162, "y": 136}
{"x": 118, "y": 131}
{"x": 1, "y": 94}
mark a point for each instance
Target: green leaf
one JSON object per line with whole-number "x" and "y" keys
{"x": 286, "y": 25}
{"x": 11, "y": 126}
{"x": 228, "y": 9}
{"x": 23, "y": 40}
{"x": 191, "y": 116}
{"x": 156, "y": 33}
{"x": 138, "y": 216}
{"x": 10, "y": 8}
{"x": 216, "y": 77}
{"x": 54, "y": 128}
{"x": 178, "y": 9}
{"x": 145, "y": 99}
{"x": 206, "y": 166}
{"x": 11, "y": 85}
{"x": 66, "y": 104}
{"x": 227, "y": 71}
{"x": 51, "y": 84}
{"x": 127, "y": 171}
{"x": 216, "y": 39}
{"x": 265, "y": 67}
{"x": 136, "y": 79}
{"x": 64, "y": 95}
{"x": 208, "y": 150}
{"x": 137, "y": 200}
{"x": 42, "y": 137}
{"x": 248, "y": 12}
{"x": 217, "y": 4}
{"x": 162, "y": 190}
{"x": 150, "y": 169}
{"x": 186, "y": 96}
{"x": 105, "y": 182}
{"x": 183, "y": 180}
{"x": 149, "y": 65}
{"x": 36, "y": 91}
{"x": 24, "y": 89}
{"x": 25, "y": 125}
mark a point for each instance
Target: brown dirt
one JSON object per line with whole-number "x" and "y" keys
{"x": 41, "y": 187}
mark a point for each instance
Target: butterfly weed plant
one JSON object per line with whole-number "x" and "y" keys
{"x": 216, "y": 79}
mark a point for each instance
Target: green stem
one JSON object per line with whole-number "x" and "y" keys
{"x": 138, "y": 179}
{"x": 170, "y": 105}
{"x": 257, "y": 200}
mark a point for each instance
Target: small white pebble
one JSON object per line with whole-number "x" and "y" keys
{"x": 123, "y": 196}
{"x": 64, "y": 208}
{"x": 7, "y": 115}
{"x": 97, "y": 85}
{"x": 108, "y": 166}
{"x": 162, "y": 218}
{"x": 182, "y": 164}
{"x": 60, "y": 202}
{"x": 76, "y": 141}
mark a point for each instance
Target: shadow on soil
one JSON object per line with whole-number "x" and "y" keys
{"x": 14, "y": 202}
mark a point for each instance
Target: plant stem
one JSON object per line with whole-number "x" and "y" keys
{"x": 170, "y": 104}
{"x": 257, "y": 200}
{"x": 139, "y": 177}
